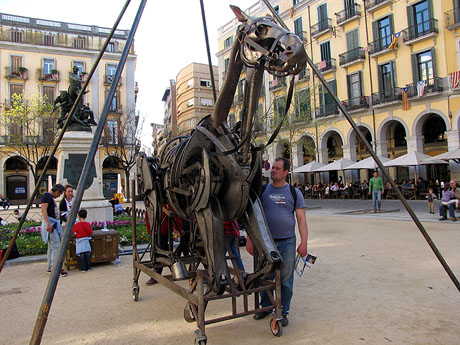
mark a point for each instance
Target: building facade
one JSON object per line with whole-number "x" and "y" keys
{"x": 170, "y": 117}
{"x": 194, "y": 95}
{"x": 403, "y": 94}
{"x": 36, "y": 58}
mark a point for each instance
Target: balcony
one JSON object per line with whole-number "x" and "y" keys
{"x": 348, "y": 14}
{"x": 116, "y": 109}
{"x": 420, "y": 31}
{"x": 53, "y": 75}
{"x": 351, "y": 57}
{"x": 380, "y": 46}
{"x": 452, "y": 18}
{"x": 374, "y": 5}
{"x": 326, "y": 110}
{"x": 326, "y": 65}
{"x": 426, "y": 87}
{"x": 16, "y": 73}
{"x": 277, "y": 83}
{"x": 304, "y": 75}
{"x": 357, "y": 103}
{"x": 321, "y": 27}
{"x": 387, "y": 96}
{"x": 108, "y": 78}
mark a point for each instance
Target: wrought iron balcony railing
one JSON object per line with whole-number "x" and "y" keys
{"x": 117, "y": 109}
{"x": 380, "y": 45}
{"x": 16, "y": 73}
{"x": 353, "y": 55}
{"x": 320, "y": 27}
{"x": 52, "y": 75}
{"x": 374, "y": 5}
{"x": 352, "y": 12}
{"x": 389, "y": 95}
{"x": 303, "y": 75}
{"x": 452, "y": 18}
{"x": 420, "y": 29}
{"x": 326, "y": 110}
{"x": 326, "y": 65}
{"x": 424, "y": 87}
{"x": 356, "y": 103}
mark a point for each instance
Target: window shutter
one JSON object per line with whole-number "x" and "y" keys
{"x": 361, "y": 86}
{"x": 414, "y": 68}
{"x": 394, "y": 79}
{"x": 349, "y": 87}
{"x": 430, "y": 9}
{"x": 392, "y": 24}
{"x": 433, "y": 57}
{"x": 375, "y": 31}
{"x": 380, "y": 79}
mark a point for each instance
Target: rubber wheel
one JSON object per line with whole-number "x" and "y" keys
{"x": 201, "y": 342}
{"x": 136, "y": 293}
{"x": 188, "y": 315}
{"x": 276, "y": 327}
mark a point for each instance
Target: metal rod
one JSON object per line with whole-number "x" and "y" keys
{"x": 377, "y": 160}
{"x": 51, "y": 288}
{"x": 61, "y": 134}
{"x": 208, "y": 51}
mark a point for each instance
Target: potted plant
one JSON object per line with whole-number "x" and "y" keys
{"x": 22, "y": 72}
{"x": 83, "y": 76}
{"x": 54, "y": 74}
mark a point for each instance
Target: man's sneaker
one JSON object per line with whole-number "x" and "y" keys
{"x": 64, "y": 274}
{"x": 454, "y": 219}
{"x": 443, "y": 218}
{"x": 151, "y": 281}
{"x": 261, "y": 315}
{"x": 284, "y": 321}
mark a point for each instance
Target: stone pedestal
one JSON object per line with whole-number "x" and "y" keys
{"x": 72, "y": 154}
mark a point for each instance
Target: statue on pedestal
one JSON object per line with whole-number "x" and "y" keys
{"x": 83, "y": 116}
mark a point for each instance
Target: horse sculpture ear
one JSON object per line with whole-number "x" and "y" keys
{"x": 242, "y": 17}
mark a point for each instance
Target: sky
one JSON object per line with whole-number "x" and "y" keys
{"x": 169, "y": 37}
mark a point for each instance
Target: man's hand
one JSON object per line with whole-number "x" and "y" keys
{"x": 302, "y": 249}
{"x": 49, "y": 228}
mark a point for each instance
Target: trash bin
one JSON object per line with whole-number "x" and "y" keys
{"x": 104, "y": 248}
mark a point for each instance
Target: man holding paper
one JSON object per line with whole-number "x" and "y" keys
{"x": 280, "y": 204}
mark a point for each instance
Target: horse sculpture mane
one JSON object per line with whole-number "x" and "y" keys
{"x": 215, "y": 174}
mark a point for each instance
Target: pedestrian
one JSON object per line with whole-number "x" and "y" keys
{"x": 66, "y": 203}
{"x": 376, "y": 189}
{"x": 232, "y": 233}
{"x": 51, "y": 227}
{"x": 83, "y": 230}
{"x": 280, "y": 204}
{"x": 5, "y": 202}
{"x": 430, "y": 196}
{"x": 448, "y": 201}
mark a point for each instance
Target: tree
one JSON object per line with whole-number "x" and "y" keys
{"x": 122, "y": 140}
{"x": 29, "y": 129}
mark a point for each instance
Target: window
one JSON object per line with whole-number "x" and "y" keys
{"x": 352, "y": 40}
{"x": 48, "y": 66}
{"x": 112, "y": 132}
{"x": 16, "y": 89}
{"x": 16, "y": 36}
{"x": 325, "y": 52}
{"x": 206, "y": 102}
{"x": 190, "y": 102}
{"x": 421, "y": 18}
{"x": 111, "y": 69}
{"x": 226, "y": 63}
{"x": 16, "y": 63}
{"x": 79, "y": 43}
{"x": 190, "y": 83}
{"x": 277, "y": 9}
{"x": 382, "y": 29}
{"x": 298, "y": 28}
{"x": 191, "y": 123}
{"x": 48, "y": 130}
{"x": 111, "y": 47}
{"x": 205, "y": 83}
{"x": 387, "y": 81}
{"x": 355, "y": 87}
{"x": 425, "y": 69}
{"x": 49, "y": 94}
{"x": 80, "y": 66}
{"x": 48, "y": 40}
{"x": 322, "y": 17}
{"x": 228, "y": 42}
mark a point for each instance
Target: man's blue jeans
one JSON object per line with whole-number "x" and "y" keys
{"x": 442, "y": 210}
{"x": 233, "y": 246}
{"x": 377, "y": 198}
{"x": 287, "y": 249}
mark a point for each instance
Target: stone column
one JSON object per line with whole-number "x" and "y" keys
{"x": 72, "y": 153}
{"x": 415, "y": 144}
{"x": 453, "y": 143}
{"x": 297, "y": 161}
{"x": 381, "y": 148}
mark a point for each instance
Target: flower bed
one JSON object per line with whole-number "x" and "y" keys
{"x": 29, "y": 240}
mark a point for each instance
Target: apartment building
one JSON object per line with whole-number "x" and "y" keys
{"x": 393, "y": 64}
{"x": 36, "y": 57}
{"x": 194, "y": 95}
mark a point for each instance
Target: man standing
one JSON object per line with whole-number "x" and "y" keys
{"x": 51, "y": 226}
{"x": 376, "y": 188}
{"x": 280, "y": 205}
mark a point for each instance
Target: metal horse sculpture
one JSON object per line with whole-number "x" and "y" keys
{"x": 215, "y": 173}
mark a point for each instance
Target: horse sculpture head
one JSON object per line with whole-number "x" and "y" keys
{"x": 262, "y": 39}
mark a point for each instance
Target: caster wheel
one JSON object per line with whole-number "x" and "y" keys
{"x": 188, "y": 315}
{"x": 276, "y": 327}
{"x": 201, "y": 342}
{"x": 136, "y": 293}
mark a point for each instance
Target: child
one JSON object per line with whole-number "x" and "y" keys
{"x": 84, "y": 231}
{"x": 431, "y": 196}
